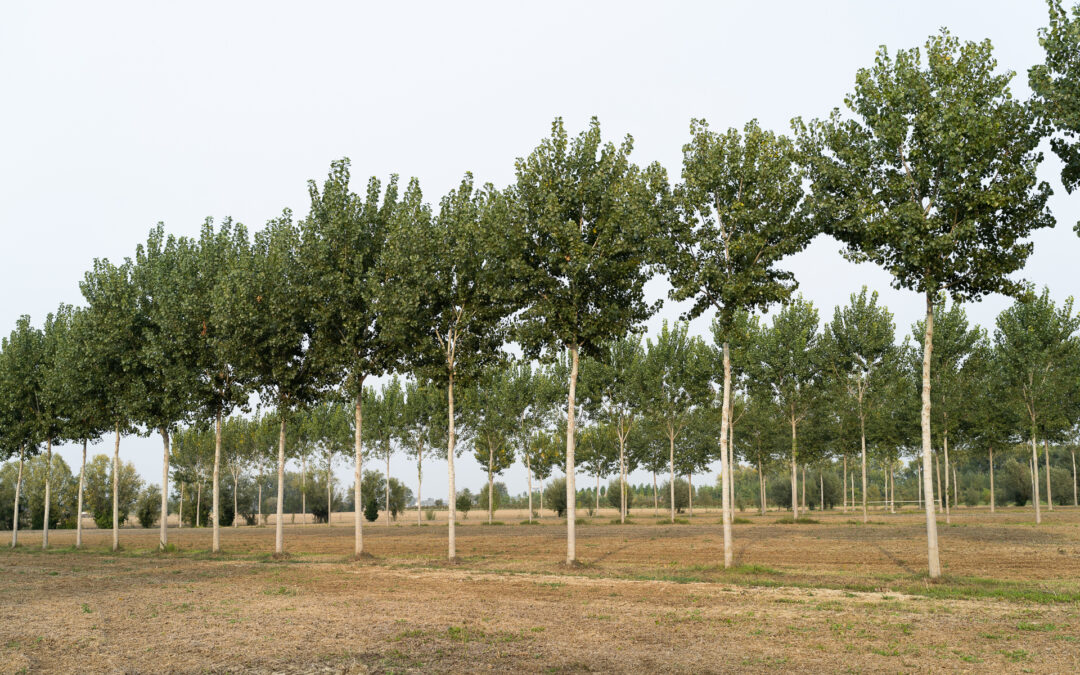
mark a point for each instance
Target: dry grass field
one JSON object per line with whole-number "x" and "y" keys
{"x": 835, "y": 595}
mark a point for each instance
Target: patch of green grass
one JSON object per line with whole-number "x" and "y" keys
{"x": 616, "y": 521}
{"x": 1036, "y": 627}
{"x": 788, "y": 520}
{"x": 530, "y": 522}
{"x": 464, "y": 634}
{"x": 742, "y": 521}
{"x": 280, "y": 590}
{"x": 1015, "y": 655}
{"x": 494, "y": 523}
{"x": 669, "y": 521}
{"x": 86, "y": 608}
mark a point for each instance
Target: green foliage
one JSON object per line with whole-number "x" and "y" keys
{"x": 464, "y": 502}
{"x": 98, "y": 490}
{"x": 555, "y": 496}
{"x": 63, "y": 489}
{"x": 1056, "y": 84}
{"x": 371, "y": 509}
{"x": 613, "y": 498}
{"x": 148, "y": 507}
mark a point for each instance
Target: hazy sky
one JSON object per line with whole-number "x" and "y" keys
{"x": 115, "y": 116}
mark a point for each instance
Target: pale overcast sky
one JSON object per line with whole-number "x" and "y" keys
{"x": 115, "y": 116}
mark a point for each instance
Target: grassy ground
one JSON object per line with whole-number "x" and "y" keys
{"x": 836, "y": 595}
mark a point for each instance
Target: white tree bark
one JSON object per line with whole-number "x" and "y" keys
{"x": 419, "y": 481}
{"x": 794, "y": 475}
{"x": 116, "y": 493}
{"x": 358, "y": 464}
{"x": 216, "y": 512}
{"x": 933, "y": 561}
{"x": 452, "y": 503}
{"x": 1035, "y": 476}
{"x": 1046, "y": 460}
{"x": 945, "y": 494}
{"x": 993, "y": 497}
{"x": 163, "y": 529}
{"x": 48, "y": 498}
{"x": 725, "y": 467}
{"x": 279, "y": 529}
{"x": 15, "y": 513}
{"x": 78, "y": 513}
{"x": 571, "y": 486}
{"x": 671, "y": 468}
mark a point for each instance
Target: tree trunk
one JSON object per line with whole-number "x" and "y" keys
{"x": 862, "y": 434}
{"x": 198, "y": 505}
{"x": 279, "y": 525}
{"x": 730, "y": 459}
{"x": 843, "y": 485}
{"x": 1074, "y": 478}
{"x": 725, "y": 467}
{"x": 1035, "y": 476}
{"x": 937, "y": 465}
{"x": 794, "y": 475}
{"x": 419, "y": 482}
{"x": 163, "y": 534}
{"x": 597, "y": 510}
{"x": 945, "y": 494}
{"x": 1046, "y": 463}
{"x": 528, "y": 477}
{"x": 358, "y": 464}
{"x": 48, "y": 496}
{"x": 993, "y": 497}
{"x": 892, "y": 489}
{"x": 329, "y": 494}
{"x": 671, "y": 469}
{"x": 215, "y": 513}
{"x": 235, "y": 500}
{"x": 15, "y": 513}
{"x": 804, "y": 487}
{"x": 761, "y": 488}
{"x": 933, "y": 561}
{"x": 821, "y": 482}
{"x": 78, "y": 512}
{"x": 655, "y": 499}
{"x": 303, "y": 490}
{"x": 180, "y": 525}
{"x": 452, "y": 512}
{"x": 258, "y": 517}
{"x": 571, "y": 487}
{"x": 116, "y": 494}
{"x": 491, "y": 479}
{"x": 955, "y": 488}
{"x": 622, "y": 478}
{"x": 690, "y": 493}
{"x": 918, "y": 486}
{"x": 388, "y": 482}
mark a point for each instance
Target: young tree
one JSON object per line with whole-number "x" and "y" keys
{"x": 738, "y": 208}
{"x": 422, "y": 412}
{"x": 858, "y": 346}
{"x": 451, "y": 290}
{"x": 20, "y": 355}
{"x": 492, "y": 418}
{"x": 675, "y": 375}
{"x": 786, "y": 362}
{"x": 384, "y": 415}
{"x": 1039, "y": 365}
{"x": 345, "y": 238}
{"x": 1056, "y": 84}
{"x": 933, "y": 177}
{"x": 580, "y": 243}
{"x": 532, "y": 399}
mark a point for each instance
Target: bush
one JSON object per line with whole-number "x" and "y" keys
{"x": 429, "y": 514}
{"x": 555, "y": 496}
{"x": 613, "y": 495}
{"x": 682, "y": 497}
{"x": 371, "y": 509}
{"x": 148, "y": 508}
{"x": 464, "y": 502}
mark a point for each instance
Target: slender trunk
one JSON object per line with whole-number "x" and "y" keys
{"x": 993, "y": 497}
{"x": 933, "y": 561}
{"x": 690, "y": 493}
{"x": 862, "y": 433}
{"x": 491, "y": 480}
{"x": 329, "y": 493}
{"x": 597, "y": 493}
{"x": 235, "y": 500}
{"x": 671, "y": 470}
{"x": 388, "y": 482}
{"x": 843, "y": 486}
{"x": 79, "y": 509}
{"x": 761, "y": 488}
{"x": 452, "y": 503}
{"x": 198, "y": 505}
{"x": 1046, "y": 463}
{"x": 15, "y": 513}
{"x": 419, "y": 481}
{"x": 918, "y": 486}
{"x": 622, "y": 478}
{"x": 1035, "y": 476}
{"x": 725, "y": 467}
{"x": 571, "y": 487}
{"x": 358, "y": 464}
{"x": 955, "y": 488}
{"x": 303, "y": 490}
{"x": 794, "y": 475}
{"x": 48, "y": 495}
{"x": 821, "y": 489}
{"x": 215, "y": 513}
{"x": 937, "y": 466}
{"x": 892, "y": 489}
{"x": 655, "y": 499}
{"x": 163, "y": 535}
{"x": 730, "y": 458}
{"x": 804, "y": 487}
{"x": 180, "y": 525}
{"x": 945, "y": 494}
{"x": 258, "y": 517}
{"x": 1075, "y": 503}
{"x": 116, "y": 493}
{"x": 279, "y": 525}
{"x": 528, "y": 477}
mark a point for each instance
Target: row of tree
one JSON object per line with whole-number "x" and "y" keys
{"x": 931, "y": 172}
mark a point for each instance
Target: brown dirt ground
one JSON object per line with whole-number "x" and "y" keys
{"x": 832, "y": 596}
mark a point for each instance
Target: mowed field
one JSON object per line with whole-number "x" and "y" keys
{"x": 833, "y": 596}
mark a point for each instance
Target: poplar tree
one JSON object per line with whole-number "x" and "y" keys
{"x": 584, "y": 218}
{"x": 493, "y": 420}
{"x": 422, "y": 413}
{"x": 932, "y": 175}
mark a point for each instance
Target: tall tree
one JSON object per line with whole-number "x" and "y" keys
{"x": 1056, "y": 84}
{"x": 114, "y": 330}
{"x": 739, "y": 216}
{"x": 786, "y": 362}
{"x": 933, "y": 176}
{"x": 1038, "y": 361}
{"x": 344, "y": 239}
{"x": 675, "y": 374}
{"x": 859, "y": 345}
{"x": 584, "y": 219}
{"x": 450, "y": 289}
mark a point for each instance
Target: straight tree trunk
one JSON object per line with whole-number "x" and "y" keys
{"x": 622, "y": 478}
{"x": 730, "y": 454}
{"x": 671, "y": 468}
{"x": 78, "y": 512}
{"x": 48, "y": 498}
{"x": 1035, "y": 476}
{"x": 528, "y": 477}
{"x": 945, "y": 494}
{"x": 933, "y": 560}
{"x": 794, "y": 475}
{"x": 259, "y": 515}
{"x": 216, "y": 499}
{"x": 1046, "y": 463}
{"x": 761, "y": 488}
{"x": 955, "y": 488}
{"x": 862, "y": 433}
{"x": 804, "y": 487}
{"x": 388, "y": 482}
{"x": 597, "y": 493}
{"x": 198, "y": 505}
{"x": 993, "y": 497}
{"x": 419, "y": 482}
{"x": 571, "y": 487}
{"x": 116, "y": 493}
{"x": 843, "y": 486}
{"x": 163, "y": 534}
{"x": 491, "y": 480}
{"x": 235, "y": 500}
{"x": 892, "y": 489}
{"x": 655, "y": 500}
{"x": 937, "y": 465}
{"x": 358, "y": 464}
{"x": 1075, "y": 503}
{"x": 452, "y": 503}
{"x": 821, "y": 481}
{"x": 303, "y": 490}
{"x": 329, "y": 495}
{"x": 279, "y": 525}
{"x": 180, "y": 525}
{"x": 15, "y": 513}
